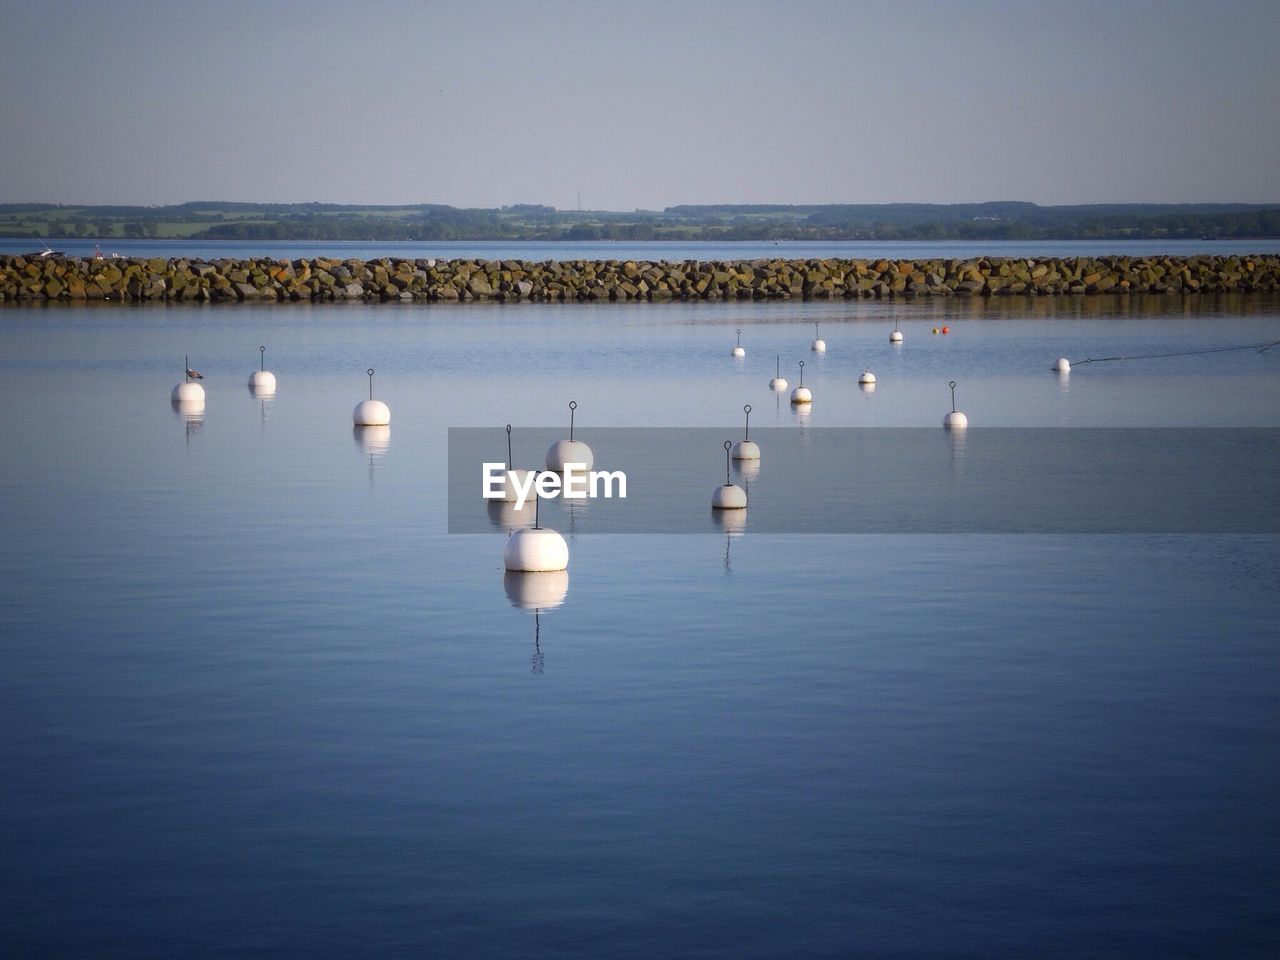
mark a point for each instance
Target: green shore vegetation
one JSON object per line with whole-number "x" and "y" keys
{"x": 1000, "y": 220}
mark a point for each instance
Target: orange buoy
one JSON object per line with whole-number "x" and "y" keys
{"x": 946, "y": 329}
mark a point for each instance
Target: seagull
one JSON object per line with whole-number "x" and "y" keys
{"x": 194, "y": 374}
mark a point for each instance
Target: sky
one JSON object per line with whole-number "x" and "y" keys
{"x": 640, "y": 105}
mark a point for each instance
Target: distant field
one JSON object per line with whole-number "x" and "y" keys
{"x": 1001, "y": 220}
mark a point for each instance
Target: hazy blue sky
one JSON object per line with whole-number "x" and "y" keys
{"x": 639, "y": 104}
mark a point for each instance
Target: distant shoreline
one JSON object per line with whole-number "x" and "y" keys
{"x": 261, "y": 279}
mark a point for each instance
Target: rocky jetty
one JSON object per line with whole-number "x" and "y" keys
{"x": 606, "y": 281}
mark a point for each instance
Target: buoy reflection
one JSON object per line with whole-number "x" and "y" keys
{"x": 373, "y": 440}
{"x": 504, "y": 515}
{"x": 536, "y": 591}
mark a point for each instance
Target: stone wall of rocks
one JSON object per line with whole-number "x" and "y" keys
{"x": 451, "y": 281}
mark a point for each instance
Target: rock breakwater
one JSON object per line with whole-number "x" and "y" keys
{"x": 605, "y": 281}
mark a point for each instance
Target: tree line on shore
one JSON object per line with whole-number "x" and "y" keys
{"x": 1001, "y": 220}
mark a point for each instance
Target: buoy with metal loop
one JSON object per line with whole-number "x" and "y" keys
{"x": 262, "y": 380}
{"x": 537, "y": 548}
{"x": 371, "y": 412}
{"x": 1062, "y": 365}
{"x": 746, "y": 448}
{"x": 896, "y": 336}
{"x": 955, "y": 420}
{"x": 867, "y": 377}
{"x": 801, "y": 394}
{"x": 514, "y": 478}
{"x": 188, "y": 392}
{"x": 738, "y": 351}
{"x": 571, "y": 450}
{"x": 729, "y": 496}
{"x": 819, "y": 345}
{"x": 778, "y": 383}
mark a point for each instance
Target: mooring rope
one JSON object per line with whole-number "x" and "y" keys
{"x": 1260, "y": 347}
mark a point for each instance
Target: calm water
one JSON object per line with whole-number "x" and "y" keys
{"x": 258, "y": 703}
{"x": 669, "y": 250}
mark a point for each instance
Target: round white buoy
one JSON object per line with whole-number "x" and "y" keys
{"x": 729, "y": 496}
{"x": 188, "y": 392}
{"x": 571, "y": 450}
{"x": 867, "y": 377}
{"x": 779, "y": 382}
{"x": 819, "y": 345}
{"x": 262, "y": 380}
{"x": 801, "y": 394}
{"x": 745, "y": 449}
{"x": 737, "y": 351}
{"x": 544, "y": 590}
{"x": 867, "y": 387}
{"x": 895, "y": 337}
{"x": 371, "y": 412}
{"x": 1062, "y": 365}
{"x": 955, "y": 420}
{"x": 535, "y": 549}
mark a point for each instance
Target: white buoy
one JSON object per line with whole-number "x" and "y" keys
{"x": 867, "y": 377}
{"x": 779, "y": 382}
{"x": 896, "y": 336}
{"x": 819, "y": 345}
{"x": 728, "y": 496}
{"x": 737, "y": 351}
{"x": 262, "y": 380}
{"x": 746, "y": 448}
{"x": 371, "y": 412}
{"x": 801, "y": 394}
{"x": 188, "y": 391}
{"x": 955, "y": 420}
{"x": 1062, "y": 365}
{"x": 544, "y": 590}
{"x": 571, "y": 450}
{"x": 535, "y": 548}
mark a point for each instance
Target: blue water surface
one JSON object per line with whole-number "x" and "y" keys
{"x": 258, "y": 703}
